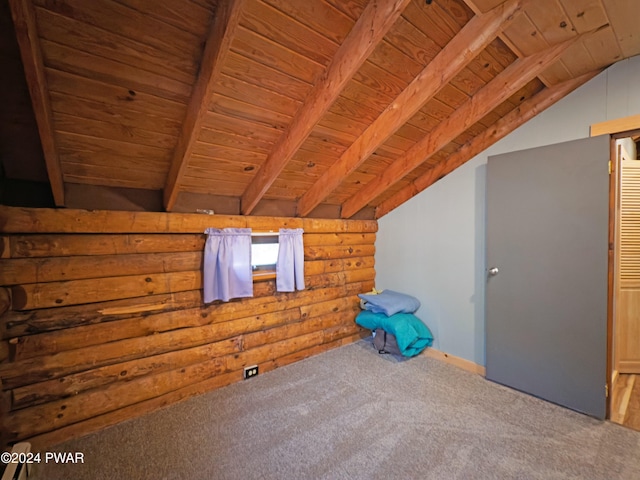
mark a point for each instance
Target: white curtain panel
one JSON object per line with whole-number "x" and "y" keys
{"x": 290, "y": 266}
{"x": 227, "y": 264}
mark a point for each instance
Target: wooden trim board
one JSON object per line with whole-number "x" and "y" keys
{"x": 629, "y": 366}
{"x": 459, "y": 362}
{"x": 616, "y": 126}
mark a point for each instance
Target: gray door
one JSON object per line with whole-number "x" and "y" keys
{"x": 546, "y": 306}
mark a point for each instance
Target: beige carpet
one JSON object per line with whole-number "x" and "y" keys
{"x": 354, "y": 414}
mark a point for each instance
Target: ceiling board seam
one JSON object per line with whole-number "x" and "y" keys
{"x": 76, "y": 117}
{"x": 226, "y": 71}
{"x": 273, "y": 42}
{"x": 177, "y": 91}
{"x": 131, "y": 43}
{"x": 193, "y": 40}
{"x": 92, "y": 80}
{"x": 161, "y": 19}
{"x": 301, "y": 23}
{"x": 241, "y": 120}
{"x": 265, "y": 65}
{"x": 218, "y": 145}
{"x": 251, "y": 85}
{"x": 111, "y": 59}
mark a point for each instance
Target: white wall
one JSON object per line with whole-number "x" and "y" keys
{"x": 432, "y": 246}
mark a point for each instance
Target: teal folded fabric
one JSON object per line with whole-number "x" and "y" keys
{"x": 412, "y": 335}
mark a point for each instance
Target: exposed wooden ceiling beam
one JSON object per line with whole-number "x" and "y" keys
{"x": 453, "y": 58}
{"x": 24, "y": 20}
{"x": 507, "y": 124}
{"x": 505, "y": 84}
{"x": 223, "y": 27}
{"x": 377, "y": 18}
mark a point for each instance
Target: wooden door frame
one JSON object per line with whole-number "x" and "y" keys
{"x": 613, "y": 198}
{"x": 616, "y": 129}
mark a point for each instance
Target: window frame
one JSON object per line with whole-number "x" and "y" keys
{"x": 268, "y": 271}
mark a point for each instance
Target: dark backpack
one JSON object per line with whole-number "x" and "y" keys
{"x": 385, "y": 342}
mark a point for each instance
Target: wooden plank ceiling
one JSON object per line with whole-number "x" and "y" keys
{"x": 337, "y": 108}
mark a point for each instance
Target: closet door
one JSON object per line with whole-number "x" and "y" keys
{"x": 627, "y": 326}
{"x": 547, "y": 262}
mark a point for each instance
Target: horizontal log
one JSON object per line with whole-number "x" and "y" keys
{"x": 331, "y": 252}
{"x": 366, "y": 286}
{"x": 88, "y": 370}
{"x": 359, "y": 275}
{"x": 271, "y": 351}
{"x": 317, "y": 267}
{"x": 5, "y": 300}
{"x": 5, "y": 246}
{"x": 316, "y": 239}
{"x": 358, "y": 263}
{"x": 74, "y": 384}
{"x": 28, "y": 422}
{"x": 301, "y": 355}
{"x": 38, "y": 246}
{"x": 306, "y": 345}
{"x": 345, "y": 304}
{"x": 97, "y": 423}
{"x": 67, "y": 245}
{"x": 309, "y": 352}
{"x": 42, "y": 270}
{"x": 100, "y": 422}
{"x": 94, "y": 334}
{"x": 66, "y": 363}
{"x": 89, "y": 291}
{"x": 325, "y": 280}
{"x": 16, "y": 324}
{"x": 4, "y": 351}
{"x": 321, "y": 322}
{"x": 85, "y": 336}
{"x": 315, "y": 350}
{"x": 73, "y": 292}
{"x": 338, "y": 332}
{"x": 56, "y": 389}
{"x": 44, "y": 220}
{"x": 54, "y": 269}
{"x": 338, "y": 277}
{"x": 31, "y": 421}
{"x": 43, "y": 368}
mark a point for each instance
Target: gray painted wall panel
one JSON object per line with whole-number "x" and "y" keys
{"x": 433, "y": 245}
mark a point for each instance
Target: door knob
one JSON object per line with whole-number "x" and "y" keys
{"x": 493, "y": 271}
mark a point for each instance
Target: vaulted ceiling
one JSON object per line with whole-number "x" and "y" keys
{"x": 337, "y": 108}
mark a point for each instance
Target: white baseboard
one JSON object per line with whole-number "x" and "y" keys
{"x": 459, "y": 362}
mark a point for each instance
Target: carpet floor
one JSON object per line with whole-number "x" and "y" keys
{"x": 351, "y": 413}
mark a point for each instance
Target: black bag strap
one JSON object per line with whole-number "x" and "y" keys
{"x": 382, "y": 350}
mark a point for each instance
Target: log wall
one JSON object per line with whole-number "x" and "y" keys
{"x": 101, "y": 313}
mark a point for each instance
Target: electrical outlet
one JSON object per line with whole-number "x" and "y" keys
{"x": 250, "y": 371}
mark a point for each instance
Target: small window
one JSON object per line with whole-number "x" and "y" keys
{"x": 264, "y": 252}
